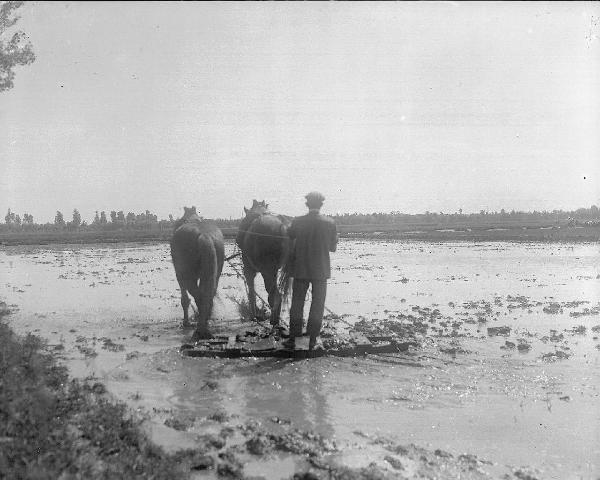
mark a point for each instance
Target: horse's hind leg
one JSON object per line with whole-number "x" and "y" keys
{"x": 191, "y": 285}
{"x": 204, "y": 300}
{"x": 270, "y": 279}
{"x": 249, "y": 275}
{"x": 185, "y": 300}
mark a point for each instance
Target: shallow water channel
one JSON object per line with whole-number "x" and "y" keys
{"x": 529, "y": 397}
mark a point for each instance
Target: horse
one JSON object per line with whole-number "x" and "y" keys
{"x": 262, "y": 238}
{"x": 198, "y": 252}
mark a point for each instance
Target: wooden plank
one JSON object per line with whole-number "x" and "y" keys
{"x": 267, "y": 344}
{"x": 391, "y": 347}
{"x": 359, "y": 339}
{"x": 301, "y": 343}
{"x": 379, "y": 338}
{"x": 230, "y": 342}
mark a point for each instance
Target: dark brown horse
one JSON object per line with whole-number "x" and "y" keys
{"x": 197, "y": 251}
{"x": 265, "y": 245}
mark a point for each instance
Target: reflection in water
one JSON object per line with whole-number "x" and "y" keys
{"x": 256, "y": 389}
{"x": 305, "y": 396}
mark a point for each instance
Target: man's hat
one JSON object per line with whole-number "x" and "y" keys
{"x": 314, "y": 197}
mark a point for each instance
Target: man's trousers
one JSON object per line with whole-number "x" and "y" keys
{"x": 317, "y": 306}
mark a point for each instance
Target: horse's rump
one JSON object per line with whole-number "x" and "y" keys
{"x": 195, "y": 246}
{"x": 265, "y": 242}
{"x": 197, "y": 251}
{"x": 266, "y": 248}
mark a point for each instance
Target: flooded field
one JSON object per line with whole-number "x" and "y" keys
{"x": 507, "y": 380}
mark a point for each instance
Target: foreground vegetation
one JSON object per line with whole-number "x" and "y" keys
{"x": 54, "y": 427}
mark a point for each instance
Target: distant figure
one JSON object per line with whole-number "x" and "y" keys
{"x": 315, "y": 236}
{"x": 265, "y": 245}
{"x": 198, "y": 252}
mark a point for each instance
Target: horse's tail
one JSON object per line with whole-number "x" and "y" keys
{"x": 284, "y": 279}
{"x": 209, "y": 260}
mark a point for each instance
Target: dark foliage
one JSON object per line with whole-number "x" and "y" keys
{"x": 53, "y": 427}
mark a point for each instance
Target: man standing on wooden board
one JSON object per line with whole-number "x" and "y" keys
{"x": 315, "y": 236}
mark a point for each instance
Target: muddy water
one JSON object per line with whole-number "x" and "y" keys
{"x": 529, "y": 397}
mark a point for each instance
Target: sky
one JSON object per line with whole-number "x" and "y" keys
{"x": 381, "y": 106}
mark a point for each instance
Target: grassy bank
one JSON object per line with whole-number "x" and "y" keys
{"x": 54, "y": 427}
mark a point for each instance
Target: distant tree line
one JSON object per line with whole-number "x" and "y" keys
{"x": 148, "y": 221}
{"x": 580, "y": 215}
{"x": 116, "y": 220}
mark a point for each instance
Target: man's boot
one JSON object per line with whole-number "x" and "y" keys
{"x": 289, "y": 344}
{"x": 315, "y": 343}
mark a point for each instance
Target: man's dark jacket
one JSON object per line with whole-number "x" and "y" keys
{"x": 316, "y": 236}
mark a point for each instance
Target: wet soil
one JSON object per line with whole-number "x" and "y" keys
{"x": 506, "y": 380}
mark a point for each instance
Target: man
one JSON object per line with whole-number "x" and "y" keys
{"x": 315, "y": 236}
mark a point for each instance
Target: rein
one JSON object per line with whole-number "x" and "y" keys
{"x": 232, "y": 256}
{"x": 264, "y": 234}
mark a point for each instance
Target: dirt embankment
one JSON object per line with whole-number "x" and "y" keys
{"x": 436, "y": 233}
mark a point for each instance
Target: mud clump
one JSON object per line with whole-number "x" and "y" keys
{"x": 132, "y": 355}
{"x": 394, "y": 462}
{"x": 211, "y": 441}
{"x": 258, "y": 445}
{"x": 179, "y": 423}
{"x": 201, "y": 461}
{"x": 525, "y": 474}
{"x": 498, "y": 331}
{"x": 578, "y": 330}
{"x": 111, "y": 346}
{"x": 210, "y": 384}
{"x": 303, "y": 443}
{"x": 519, "y": 301}
{"x": 220, "y": 417}
{"x": 230, "y": 466}
{"x": 553, "y": 309}
{"x": 280, "y": 421}
{"x": 441, "y": 453}
{"x": 553, "y": 356}
{"x": 454, "y": 350}
{"x": 554, "y": 337}
{"x": 98, "y": 388}
{"x": 306, "y": 476}
{"x": 87, "y": 351}
{"x": 586, "y": 312}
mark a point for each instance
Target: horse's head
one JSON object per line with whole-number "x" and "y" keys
{"x": 188, "y": 212}
{"x": 257, "y": 208}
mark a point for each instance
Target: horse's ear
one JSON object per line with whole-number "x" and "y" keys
{"x": 245, "y": 211}
{"x": 254, "y": 203}
{"x": 194, "y": 208}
